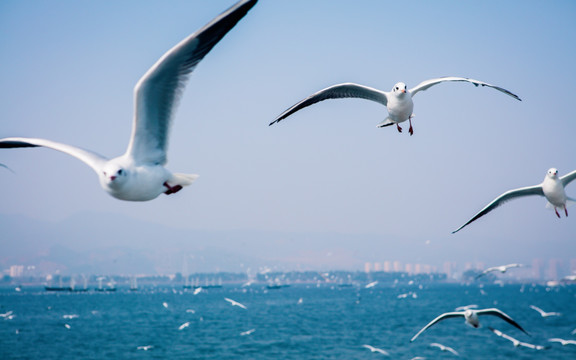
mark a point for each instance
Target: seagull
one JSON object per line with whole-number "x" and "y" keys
{"x": 165, "y": 304}
{"x": 371, "y": 285}
{"x": 445, "y": 348}
{"x": 70, "y": 316}
{"x": 7, "y": 314}
{"x": 139, "y": 174}
{"x": 145, "y": 348}
{"x": 516, "y": 342}
{"x": 248, "y": 332}
{"x": 544, "y": 313}
{"x": 235, "y": 303}
{"x": 471, "y": 317}
{"x": 569, "y": 278}
{"x": 563, "y": 342}
{"x": 197, "y": 290}
{"x": 184, "y": 326}
{"x": 67, "y": 326}
{"x": 501, "y": 268}
{"x": 375, "y": 349}
{"x": 398, "y": 101}
{"x": 552, "y": 188}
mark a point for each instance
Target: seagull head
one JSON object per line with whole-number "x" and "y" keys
{"x": 552, "y": 173}
{"x": 471, "y": 318}
{"x": 399, "y": 88}
{"x": 113, "y": 175}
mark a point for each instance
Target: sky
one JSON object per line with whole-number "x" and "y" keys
{"x": 68, "y": 69}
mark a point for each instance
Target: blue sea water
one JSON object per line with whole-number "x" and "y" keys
{"x": 297, "y": 322}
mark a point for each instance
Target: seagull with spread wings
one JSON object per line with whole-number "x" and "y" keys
{"x": 398, "y": 101}
{"x": 139, "y": 174}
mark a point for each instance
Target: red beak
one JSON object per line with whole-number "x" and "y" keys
{"x": 112, "y": 178}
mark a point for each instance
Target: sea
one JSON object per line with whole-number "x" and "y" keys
{"x": 295, "y": 322}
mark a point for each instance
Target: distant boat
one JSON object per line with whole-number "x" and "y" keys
{"x": 60, "y": 287}
{"x": 111, "y": 286}
{"x": 133, "y": 284}
{"x": 276, "y": 286}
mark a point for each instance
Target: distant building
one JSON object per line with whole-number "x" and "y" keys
{"x": 397, "y": 266}
{"x": 367, "y": 267}
{"x": 537, "y": 269}
{"x": 377, "y": 266}
{"x": 16, "y": 270}
{"x": 387, "y": 266}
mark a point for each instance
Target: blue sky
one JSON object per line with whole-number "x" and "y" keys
{"x": 68, "y": 69}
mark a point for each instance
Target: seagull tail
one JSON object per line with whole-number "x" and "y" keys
{"x": 184, "y": 179}
{"x": 386, "y": 122}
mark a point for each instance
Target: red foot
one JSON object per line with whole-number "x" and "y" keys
{"x": 566, "y": 211}
{"x": 399, "y": 128}
{"x": 411, "y": 131}
{"x": 172, "y": 189}
{"x": 556, "y": 211}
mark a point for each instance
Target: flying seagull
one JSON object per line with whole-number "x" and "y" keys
{"x": 184, "y": 326}
{"x": 247, "y": 332}
{"x": 516, "y": 342}
{"x": 471, "y": 317}
{"x": 501, "y": 268}
{"x": 377, "y": 350}
{"x": 544, "y": 313}
{"x": 563, "y": 342}
{"x": 235, "y": 303}
{"x": 371, "y": 285}
{"x": 139, "y": 174}
{"x": 445, "y": 348}
{"x": 398, "y": 101}
{"x": 466, "y": 307}
{"x": 552, "y": 188}
{"x": 145, "y": 348}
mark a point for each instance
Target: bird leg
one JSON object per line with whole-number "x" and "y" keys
{"x": 566, "y": 210}
{"x": 411, "y": 131}
{"x": 399, "y": 128}
{"x": 556, "y": 211}
{"x": 172, "y": 189}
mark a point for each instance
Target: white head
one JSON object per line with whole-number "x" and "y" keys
{"x": 552, "y": 173}
{"x": 471, "y": 318}
{"x": 113, "y": 175}
{"x": 399, "y": 89}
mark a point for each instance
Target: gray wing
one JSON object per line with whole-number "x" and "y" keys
{"x": 157, "y": 93}
{"x": 439, "y": 318}
{"x": 424, "y": 85}
{"x": 503, "y": 316}
{"x": 339, "y": 91}
{"x": 568, "y": 178}
{"x": 507, "y": 196}
{"x": 92, "y": 159}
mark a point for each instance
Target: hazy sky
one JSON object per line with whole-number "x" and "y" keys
{"x": 68, "y": 69}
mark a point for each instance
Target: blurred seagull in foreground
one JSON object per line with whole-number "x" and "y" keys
{"x": 197, "y": 290}
{"x": 445, "y": 348}
{"x": 398, "y": 101}
{"x": 544, "y": 313}
{"x": 145, "y": 348}
{"x": 552, "y": 188}
{"x": 6, "y": 167}
{"x": 501, "y": 268}
{"x": 516, "y": 342}
{"x": 139, "y": 174}
{"x": 466, "y": 307}
{"x": 471, "y": 317}
{"x": 235, "y": 303}
{"x": 562, "y": 341}
{"x": 377, "y": 350}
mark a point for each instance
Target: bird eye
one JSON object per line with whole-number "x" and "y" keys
{"x": 120, "y": 172}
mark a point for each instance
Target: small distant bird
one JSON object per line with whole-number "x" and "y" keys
{"x": 562, "y": 341}
{"x": 139, "y": 174}
{"x": 371, "y": 285}
{"x": 501, "y": 268}
{"x": 248, "y": 332}
{"x": 544, "y": 313}
{"x": 466, "y": 307}
{"x": 145, "y": 348}
{"x": 516, "y": 342}
{"x": 190, "y": 311}
{"x": 471, "y": 318}
{"x": 184, "y": 326}
{"x": 235, "y": 303}
{"x": 376, "y": 350}
{"x": 445, "y": 348}
{"x": 67, "y": 326}
{"x": 70, "y": 316}
{"x": 300, "y": 301}
{"x": 7, "y": 314}
{"x": 197, "y": 290}
{"x": 165, "y": 304}
{"x": 569, "y": 278}
{"x": 398, "y": 101}
{"x": 552, "y": 188}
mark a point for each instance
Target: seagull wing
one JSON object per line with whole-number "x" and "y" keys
{"x": 502, "y": 316}
{"x": 339, "y": 91}
{"x": 568, "y": 178}
{"x": 91, "y": 159}
{"x": 439, "y": 318}
{"x": 157, "y": 93}
{"x": 424, "y": 85}
{"x": 542, "y": 312}
{"x": 507, "y": 196}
